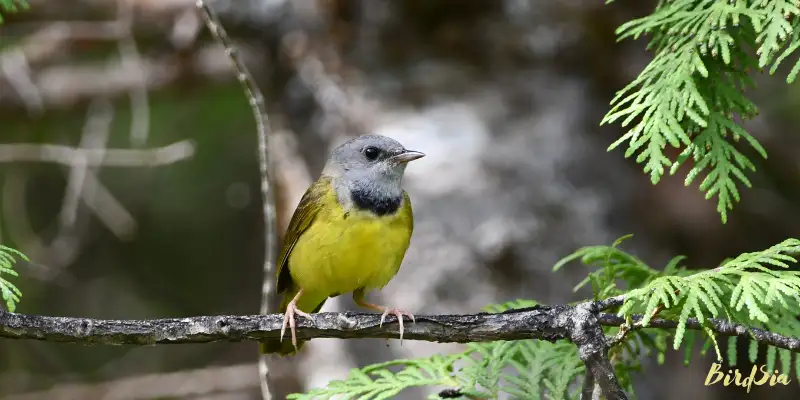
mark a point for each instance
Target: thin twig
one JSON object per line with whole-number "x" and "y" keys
{"x": 611, "y": 302}
{"x": 14, "y": 64}
{"x": 108, "y": 209}
{"x": 96, "y": 131}
{"x": 28, "y": 152}
{"x": 130, "y": 56}
{"x": 453, "y": 393}
{"x": 51, "y": 256}
{"x": 49, "y": 41}
{"x": 627, "y": 327}
{"x": 192, "y": 384}
{"x": 719, "y": 326}
{"x": 83, "y": 182}
{"x": 256, "y": 100}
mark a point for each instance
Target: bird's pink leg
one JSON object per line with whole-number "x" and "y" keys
{"x": 289, "y": 317}
{"x": 358, "y": 297}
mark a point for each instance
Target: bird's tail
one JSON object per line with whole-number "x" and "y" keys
{"x": 285, "y": 347}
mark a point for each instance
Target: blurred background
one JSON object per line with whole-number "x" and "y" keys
{"x": 504, "y": 96}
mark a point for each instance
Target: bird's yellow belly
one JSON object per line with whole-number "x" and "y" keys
{"x": 339, "y": 254}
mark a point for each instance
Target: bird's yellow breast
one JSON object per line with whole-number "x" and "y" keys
{"x": 342, "y": 251}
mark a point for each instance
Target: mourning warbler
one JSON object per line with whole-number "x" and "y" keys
{"x": 349, "y": 233}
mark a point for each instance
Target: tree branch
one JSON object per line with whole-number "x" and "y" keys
{"x": 580, "y": 324}
{"x": 588, "y": 335}
{"x": 546, "y": 323}
{"x": 590, "y": 390}
{"x": 611, "y": 302}
{"x": 721, "y": 327}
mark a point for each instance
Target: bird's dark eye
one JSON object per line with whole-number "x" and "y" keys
{"x": 371, "y": 153}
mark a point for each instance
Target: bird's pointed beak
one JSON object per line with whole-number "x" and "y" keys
{"x": 406, "y": 156}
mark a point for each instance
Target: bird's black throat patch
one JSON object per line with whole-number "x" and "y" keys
{"x": 378, "y": 204}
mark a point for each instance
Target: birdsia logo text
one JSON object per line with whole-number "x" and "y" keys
{"x": 758, "y": 376}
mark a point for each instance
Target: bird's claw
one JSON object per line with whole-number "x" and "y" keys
{"x": 399, "y": 314}
{"x": 289, "y": 319}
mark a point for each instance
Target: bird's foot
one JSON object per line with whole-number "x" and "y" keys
{"x": 289, "y": 319}
{"x": 399, "y": 314}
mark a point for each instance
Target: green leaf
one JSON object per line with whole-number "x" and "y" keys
{"x": 752, "y": 351}
{"x": 10, "y": 293}
{"x": 757, "y": 289}
{"x": 732, "y": 353}
{"x": 689, "y": 94}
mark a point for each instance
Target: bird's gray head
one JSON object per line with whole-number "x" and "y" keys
{"x": 371, "y": 165}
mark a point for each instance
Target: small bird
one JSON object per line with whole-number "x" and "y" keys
{"x": 349, "y": 233}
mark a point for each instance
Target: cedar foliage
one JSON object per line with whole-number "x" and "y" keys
{"x": 10, "y": 293}
{"x": 691, "y": 96}
{"x": 757, "y": 289}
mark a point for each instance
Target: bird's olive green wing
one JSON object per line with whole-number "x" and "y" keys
{"x": 408, "y": 213}
{"x": 303, "y": 216}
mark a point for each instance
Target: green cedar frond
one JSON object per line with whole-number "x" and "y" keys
{"x": 10, "y": 6}
{"x": 10, "y": 293}
{"x": 487, "y": 364}
{"x": 544, "y": 367}
{"x": 379, "y": 382}
{"x": 732, "y": 351}
{"x": 777, "y": 23}
{"x": 689, "y": 94}
{"x": 711, "y": 150}
{"x": 614, "y": 264}
{"x": 756, "y": 289}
